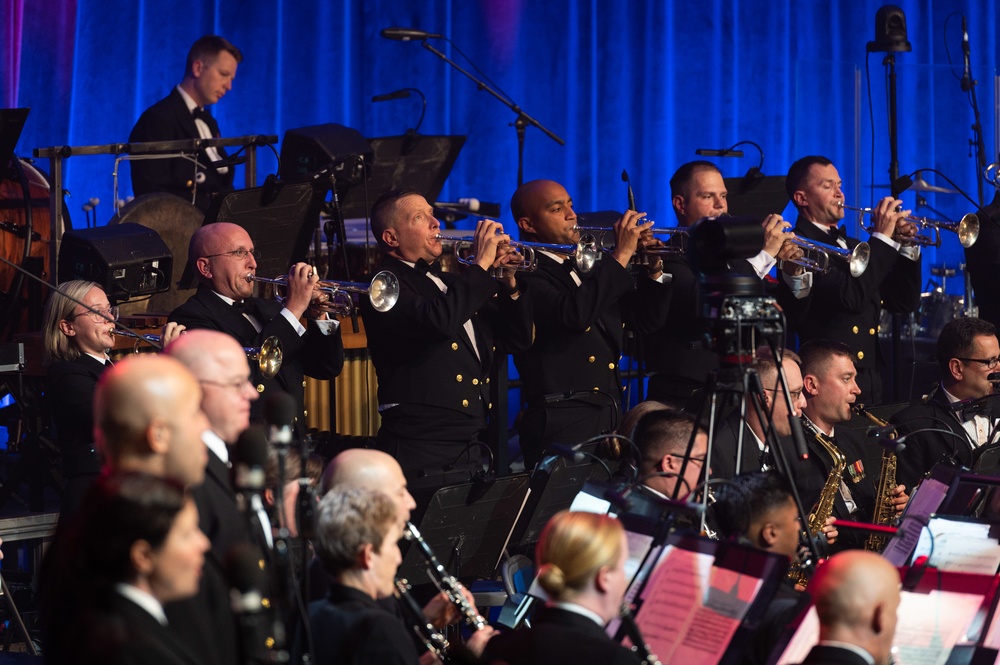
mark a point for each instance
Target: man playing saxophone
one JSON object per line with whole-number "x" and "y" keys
{"x": 830, "y": 388}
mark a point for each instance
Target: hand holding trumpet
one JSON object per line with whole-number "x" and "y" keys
{"x": 628, "y": 230}
{"x": 777, "y": 243}
{"x": 301, "y": 293}
{"x": 889, "y": 219}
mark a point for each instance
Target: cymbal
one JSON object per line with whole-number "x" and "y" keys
{"x": 921, "y": 185}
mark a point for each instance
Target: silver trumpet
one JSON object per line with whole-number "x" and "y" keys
{"x": 817, "y": 255}
{"x": 994, "y": 179}
{"x": 268, "y": 355}
{"x": 605, "y": 237}
{"x": 584, "y": 253}
{"x": 382, "y": 292}
{"x": 966, "y": 228}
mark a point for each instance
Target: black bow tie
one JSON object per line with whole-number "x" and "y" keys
{"x": 837, "y": 232}
{"x": 423, "y": 267}
{"x": 971, "y": 411}
{"x": 240, "y": 306}
{"x": 201, "y": 112}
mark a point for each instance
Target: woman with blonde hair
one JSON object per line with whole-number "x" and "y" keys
{"x": 580, "y": 560}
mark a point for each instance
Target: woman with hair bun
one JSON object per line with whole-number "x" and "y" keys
{"x": 580, "y": 560}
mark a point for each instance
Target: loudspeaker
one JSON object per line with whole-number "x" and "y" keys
{"x": 307, "y": 150}
{"x": 126, "y": 260}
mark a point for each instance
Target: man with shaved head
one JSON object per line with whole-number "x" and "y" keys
{"x": 222, "y": 255}
{"x": 148, "y": 418}
{"x": 856, "y": 595}
{"x": 572, "y": 384}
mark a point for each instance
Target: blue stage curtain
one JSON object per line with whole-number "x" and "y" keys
{"x": 636, "y": 85}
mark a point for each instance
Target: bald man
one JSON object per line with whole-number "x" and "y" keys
{"x": 579, "y": 321}
{"x": 856, "y": 594}
{"x": 148, "y": 417}
{"x": 222, "y": 255}
{"x": 220, "y": 366}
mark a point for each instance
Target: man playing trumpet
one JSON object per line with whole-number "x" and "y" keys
{"x": 846, "y": 308}
{"x": 434, "y": 349}
{"x": 222, "y": 256}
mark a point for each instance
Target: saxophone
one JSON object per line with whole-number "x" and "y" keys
{"x": 884, "y": 512}
{"x": 824, "y": 507}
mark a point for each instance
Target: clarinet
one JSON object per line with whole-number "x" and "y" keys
{"x": 445, "y": 580}
{"x": 433, "y": 639}
{"x": 638, "y": 642}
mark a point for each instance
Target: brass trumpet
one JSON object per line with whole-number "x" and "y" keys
{"x": 603, "y": 234}
{"x": 268, "y": 355}
{"x": 584, "y": 253}
{"x": 817, "y": 256}
{"x": 966, "y": 228}
{"x": 382, "y": 292}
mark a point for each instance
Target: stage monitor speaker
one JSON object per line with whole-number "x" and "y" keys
{"x": 305, "y": 151}
{"x": 126, "y": 260}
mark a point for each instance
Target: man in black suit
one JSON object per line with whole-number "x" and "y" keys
{"x": 661, "y": 439}
{"x": 222, "y": 255}
{"x": 967, "y": 353}
{"x": 755, "y": 454}
{"x": 828, "y": 378}
{"x": 676, "y": 354}
{"x": 208, "y": 75}
{"x": 434, "y": 349}
{"x": 857, "y": 599}
{"x": 571, "y": 378}
{"x": 847, "y": 308}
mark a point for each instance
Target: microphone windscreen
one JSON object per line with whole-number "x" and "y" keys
{"x": 279, "y": 409}
{"x": 251, "y": 447}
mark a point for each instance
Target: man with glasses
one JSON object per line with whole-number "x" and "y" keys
{"x": 662, "y": 439}
{"x": 222, "y": 255}
{"x": 938, "y": 426}
{"x": 755, "y": 455}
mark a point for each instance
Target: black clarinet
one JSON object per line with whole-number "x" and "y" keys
{"x": 445, "y": 580}
{"x": 638, "y": 642}
{"x": 433, "y": 639}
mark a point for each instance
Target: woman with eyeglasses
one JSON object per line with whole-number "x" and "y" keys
{"x": 77, "y": 326}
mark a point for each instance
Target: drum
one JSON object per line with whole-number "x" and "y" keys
{"x": 938, "y": 309}
{"x": 26, "y": 229}
{"x": 176, "y": 220}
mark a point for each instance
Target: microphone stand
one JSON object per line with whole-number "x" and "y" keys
{"x": 976, "y": 142}
{"x": 522, "y": 122}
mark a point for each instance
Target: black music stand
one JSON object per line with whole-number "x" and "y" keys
{"x": 756, "y": 195}
{"x": 555, "y": 482}
{"x": 468, "y": 528}
{"x": 420, "y": 162}
{"x": 278, "y": 216}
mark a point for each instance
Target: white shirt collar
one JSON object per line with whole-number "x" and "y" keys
{"x": 215, "y": 444}
{"x": 103, "y": 359}
{"x": 144, "y": 600}
{"x": 582, "y": 611}
{"x": 190, "y": 103}
{"x": 849, "y": 647}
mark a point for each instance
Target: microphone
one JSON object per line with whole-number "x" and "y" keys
{"x": 631, "y": 194}
{"x": 279, "y": 413}
{"x": 884, "y": 434}
{"x": 483, "y": 208}
{"x": 389, "y": 96}
{"x": 567, "y": 452}
{"x": 707, "y": 152}
{"x": 249, "y": 460}
{"x": 408, "y": 34}
{"x": 967, "y": 74}
{"x": 246, "y": 599}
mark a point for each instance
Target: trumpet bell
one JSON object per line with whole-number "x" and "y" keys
{"x": 268, "y": 357}
{"x": 384, "y": 291}
{"x": 968, "y": 230}
{"x": 857, "y": 262}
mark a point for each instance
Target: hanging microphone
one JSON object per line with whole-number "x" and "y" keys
{"x": 706, "y": 152}
{"x": 967, "y": 75}
{"x": 249, "y": 460}
{"x": 389, "y": 96}
{"x": 884, "y": 435}
{"x": 570, "y": 453}
{"x": 279, "y": 413}
{"x": 631, "y": 194}
{"x": 408, "y": 34}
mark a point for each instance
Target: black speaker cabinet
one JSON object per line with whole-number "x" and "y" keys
{"x": 126, "y": 260}
{"x": 308, "y": 150}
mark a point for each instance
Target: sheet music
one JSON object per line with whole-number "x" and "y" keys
{"x": 959, "y": 546}
{"x": 924, "y": 502}
{"x": 930, "y": 624}
{"x": 928, "y": 627}
{"x": 588, "y": 503}
{"x": 691, "y": 608}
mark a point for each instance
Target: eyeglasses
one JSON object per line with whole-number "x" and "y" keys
{"x": 700, "y": 459}
{"x": 98, "y": 315}
{"x": 795, "y": 394}
{"x": 990, "y": 363}
{"x": 240, "y": 253}
{"x": 237, "y": 386}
